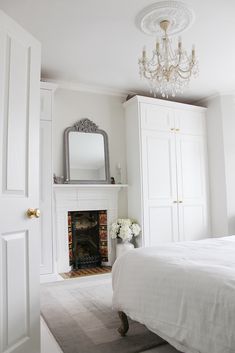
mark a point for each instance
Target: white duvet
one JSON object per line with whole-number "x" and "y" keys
{"x": 184, "y": 292}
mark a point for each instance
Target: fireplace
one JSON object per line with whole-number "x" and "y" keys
{"x": 88, "y": 243}
{"x": 79, "y": 197}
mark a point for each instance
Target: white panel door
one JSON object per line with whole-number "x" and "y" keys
{"x": 45, "y": 196}
{"x": 19, "y": 184}
{"x": 192, "y": 187}
{"x": 159, "y": 188}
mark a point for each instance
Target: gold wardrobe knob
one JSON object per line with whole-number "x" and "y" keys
{"x": 33, "y": 213}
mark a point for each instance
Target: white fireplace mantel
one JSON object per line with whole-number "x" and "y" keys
{"x": 82, "y": 197}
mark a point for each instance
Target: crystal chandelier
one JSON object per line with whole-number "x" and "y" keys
{"x": 169, "y": 70}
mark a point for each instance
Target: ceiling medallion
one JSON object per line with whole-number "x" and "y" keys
{"x": 169, "y": 69}
{"x": 180, "y": 16}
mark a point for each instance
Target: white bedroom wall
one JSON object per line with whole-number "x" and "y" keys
{"x": 221, "y": 149}
{"x": 228, "y": 112}
{"x": 107, "y": 112}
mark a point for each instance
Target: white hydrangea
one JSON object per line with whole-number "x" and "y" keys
{"x": 114, "y": 230}
{"x": 124, "y": 229}
{"x": 125, "y": 233}
{"x": 124, "y": 221}
{"x": 135, "y": 229}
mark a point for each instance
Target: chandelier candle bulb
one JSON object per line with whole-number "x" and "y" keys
{"x": 180, "y": 43}
{"x": 119, "y": 173}
{"x": 193, "y": 52}
{"x": 157, "y": 47}
{"x": 144, "y": 53}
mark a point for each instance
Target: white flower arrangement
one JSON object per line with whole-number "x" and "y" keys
{"x": 125, "y": 229}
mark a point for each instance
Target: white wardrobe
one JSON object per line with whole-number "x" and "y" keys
{"x": 47, "y": 267}
{"x": 167, "y": 170}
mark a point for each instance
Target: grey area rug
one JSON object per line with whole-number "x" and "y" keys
{"x": 80, "y": 316}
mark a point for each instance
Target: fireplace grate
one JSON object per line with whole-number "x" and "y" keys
{"x": 87, "y": 262}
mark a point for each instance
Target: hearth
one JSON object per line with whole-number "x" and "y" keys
{"x": 87, "y": 231}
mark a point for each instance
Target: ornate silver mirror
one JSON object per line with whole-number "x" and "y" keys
{"x": 86, "y": 154}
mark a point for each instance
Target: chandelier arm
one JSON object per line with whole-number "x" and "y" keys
{"x": 183, "y": 77}
{"x": 186, "y": 70}
{"x": 153, "y": 71}
{"x": 147, "y": 75}
{"x": 189, "y": 69}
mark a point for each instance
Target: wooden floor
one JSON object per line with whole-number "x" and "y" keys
{"x": 86, "y": 272}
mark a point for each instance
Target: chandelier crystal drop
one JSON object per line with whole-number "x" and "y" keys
{"x": 169, "y": 70}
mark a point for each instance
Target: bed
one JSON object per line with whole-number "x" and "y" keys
{"x": 184, "y": 292}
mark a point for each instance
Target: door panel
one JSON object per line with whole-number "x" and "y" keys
{"x": 162, "y": 222}
{"x": 160, "y": 189}
{"x": 191, "y": 168}
{"x": 193, "y": 224}
{"x": 15, "y": 308}
{"x": 158, "y": 118}
{"x": 190, "y": 122}
{"x": 19, "y": 180}
{"x": 159, "y": 167}
{"x": 192, "y": 189}
{"x": 16, "y": 117}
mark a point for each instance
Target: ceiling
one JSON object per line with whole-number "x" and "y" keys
{"x": 96, "y": 42}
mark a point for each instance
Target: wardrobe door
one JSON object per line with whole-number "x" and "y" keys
{"x": 192, "y": 187}
{"x": 159, "y": 188}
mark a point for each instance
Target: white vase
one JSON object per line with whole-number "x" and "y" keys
{"x": 122, "y": 248}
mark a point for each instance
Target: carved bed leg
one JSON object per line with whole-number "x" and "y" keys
{"x": 124, "y": 323}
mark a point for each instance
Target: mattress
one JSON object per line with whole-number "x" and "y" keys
{"x": 184, "y": 292}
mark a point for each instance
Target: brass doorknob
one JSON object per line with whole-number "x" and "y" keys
{"x": 33, "y": 213}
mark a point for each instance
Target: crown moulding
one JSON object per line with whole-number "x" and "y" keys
{"x": 103, "y": 90}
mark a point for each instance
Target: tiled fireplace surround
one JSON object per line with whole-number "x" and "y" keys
{"x": 69, "y": 197}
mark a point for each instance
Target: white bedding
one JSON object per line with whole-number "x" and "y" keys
{"x": 184, "y": 292}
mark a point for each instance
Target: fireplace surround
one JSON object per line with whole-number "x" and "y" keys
{"x": 79, "y": 197}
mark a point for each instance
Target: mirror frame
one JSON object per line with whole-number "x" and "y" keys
{"x": 86, "y": 126}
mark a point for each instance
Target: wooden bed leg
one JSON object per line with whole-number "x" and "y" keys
{"x": 124, "y": 323}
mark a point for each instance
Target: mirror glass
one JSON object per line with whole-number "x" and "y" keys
{"x": 86, "y": 156}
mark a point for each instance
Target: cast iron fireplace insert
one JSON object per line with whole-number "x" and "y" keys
{"x": 87, "y": 238}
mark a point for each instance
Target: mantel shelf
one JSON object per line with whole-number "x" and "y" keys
{"x": 90, "y": 186}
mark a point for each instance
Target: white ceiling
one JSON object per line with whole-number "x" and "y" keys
{"x": 96, "y": 42}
